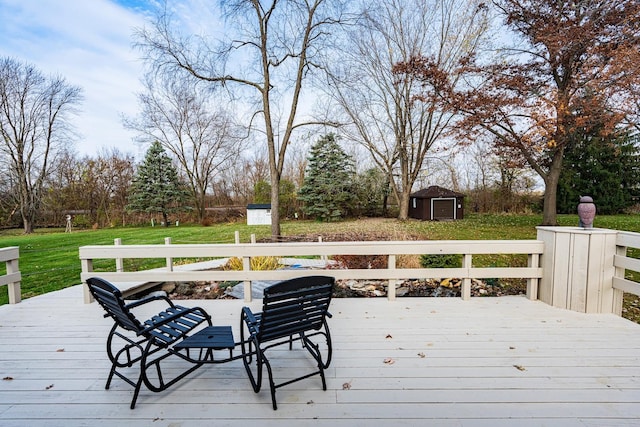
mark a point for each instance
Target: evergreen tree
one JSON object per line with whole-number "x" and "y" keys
{"x": 604, "y": 170}
{"x": 262, "y": 194}
{"x": 156, "y": 186}
{"x": 372, "y": 188}
{"x": 327, "y": 191}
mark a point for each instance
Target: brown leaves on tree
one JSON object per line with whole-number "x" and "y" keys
{"x": 577, "y": 71}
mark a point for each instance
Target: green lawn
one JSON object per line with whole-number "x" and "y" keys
{"x": 49, "y": 258}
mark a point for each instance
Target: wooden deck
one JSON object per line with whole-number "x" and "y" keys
{"x": 502, "y": 361}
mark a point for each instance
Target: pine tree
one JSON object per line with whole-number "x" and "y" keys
{"x": 327, "y": 191}
{"x": 604, "y": 170}
{"x": 156, "y": 187}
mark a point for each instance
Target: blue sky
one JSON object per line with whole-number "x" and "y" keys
{"x": 89, "y": 43}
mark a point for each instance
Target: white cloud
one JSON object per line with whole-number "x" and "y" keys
{"x": 88, "y": 42}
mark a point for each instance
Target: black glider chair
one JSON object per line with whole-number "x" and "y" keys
{"x": 147, "y": 343}
{"x": 293, "y": 310}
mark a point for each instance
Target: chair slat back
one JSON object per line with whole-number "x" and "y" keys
{"x": 295, "y": 306}
{"x": 110, "y": 298}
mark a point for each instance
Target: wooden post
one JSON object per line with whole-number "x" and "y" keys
{"x": 87, "y": 267}
{"x": 466, "y": 281}
{"x": 618, "y": 296}
{"x": 237, "y": 236}
{"x": 391, "y": 287}
{"x": 532, "y": 284}
{"x": 246, "y": 266}
{"x": 119, "y": 261}
{"x": 15, "y": 295}
{"x": 578, "y": 270}
{"x": 167, "y": 241}
{"x": 324, "y": 258}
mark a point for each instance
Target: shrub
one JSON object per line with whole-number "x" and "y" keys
{"x": 361, "y": 261}
{"x": 257, "y": 263}
{"x": 441, "y": 261}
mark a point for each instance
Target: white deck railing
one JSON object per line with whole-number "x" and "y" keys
{"x": 391, "y": 249}
{"x": 623, "y": 262}
{"x": 12, "y": 277}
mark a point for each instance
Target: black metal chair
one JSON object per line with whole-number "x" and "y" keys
{"x": 293, "y": 310}
{"x": 147, "y": 343}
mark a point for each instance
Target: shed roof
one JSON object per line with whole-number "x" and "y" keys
{"x": 435, "y": 192}
{"x": 259, "y": 206}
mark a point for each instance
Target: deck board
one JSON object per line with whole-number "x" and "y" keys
{"x": 484, "y": 362}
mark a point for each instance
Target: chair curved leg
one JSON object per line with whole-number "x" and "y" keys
{"x": 250, "y": 348}
{"x": 314, "y": 351}
{"x": 325, "y": 354}
{"x": 112, "y": 358}
{"x": 120, "y": 356}
{"x": 142, "y": 378}
{"x": 327, "y": 335}
{"x": 272, "y": 384}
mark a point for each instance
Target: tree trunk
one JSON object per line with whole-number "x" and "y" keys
{"x": 27, "y": 209}
{"x": 27, "y": 225}
{"x": 549, "y": 212}
{"x": 403, "y": 214}
{"x": 275, "y": 207}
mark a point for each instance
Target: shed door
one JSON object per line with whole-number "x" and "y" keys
{"x": 443, "y": 209}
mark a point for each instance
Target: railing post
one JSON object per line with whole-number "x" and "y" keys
{"x": 618, "y": 296}
{"x": 246, "y": 266}
{"x": 15, "y": 295}
{"x": 391, "y": 287}
{"x": 467, "y": 262}
{"x": 324, "y": 258}
{"x": 119, "y": 261}
{"x": 87, "y": 267}
{"x": 167, "y": 241}
{"x": 533, "y": 261}
{"x": 237, "y": 236}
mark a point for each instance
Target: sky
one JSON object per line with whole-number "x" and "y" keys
{"x": 89, "y": 43}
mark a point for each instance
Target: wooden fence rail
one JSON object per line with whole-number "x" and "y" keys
{"x": 12, "y": 277}
{"x": 323, "y": 250}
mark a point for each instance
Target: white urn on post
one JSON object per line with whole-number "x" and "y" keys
{"x": 586, "y": 212}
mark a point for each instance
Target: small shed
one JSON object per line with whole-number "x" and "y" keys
{"x": 436, "y": 204}
{"x": 259, "y": 214}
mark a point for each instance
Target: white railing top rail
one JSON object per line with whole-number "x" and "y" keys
{"x": 415, "y": 247}
{"x": 467, "y": 248}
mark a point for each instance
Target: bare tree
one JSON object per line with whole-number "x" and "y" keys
{"x": 34, "y": 121}
{"x": 237, "y": 182}
{"x": 63, "y": 187}
{"x": 573, "y": 60}
{"x": 380, "y": 105}
{"x": 269, "y": 50}
{"x": 180, "y": 113}
{"x": 113, "y": 174}
{"x": 96, "y": 188}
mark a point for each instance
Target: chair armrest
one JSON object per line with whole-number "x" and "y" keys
{"x": 148, "y": 299}
{"x": 249, "y": 316}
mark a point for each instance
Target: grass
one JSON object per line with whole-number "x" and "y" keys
{"x": 49, "y": 257}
